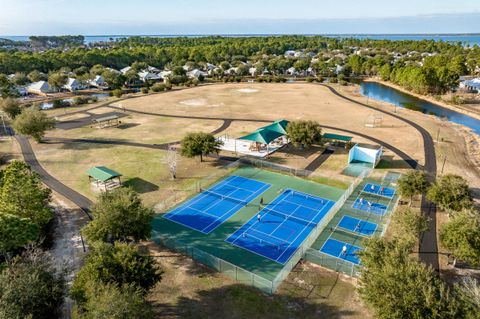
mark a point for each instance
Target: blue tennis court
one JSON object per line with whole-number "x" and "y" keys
{"x": 334, "y": 248}
{"x": 284, "y": 224}
{"x": 369, "y": 206}
{"x": 379, "y": 190}
{"x": 212, "y": 207}
{"x": 357, "y": 226}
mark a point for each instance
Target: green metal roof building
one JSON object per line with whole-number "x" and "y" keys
{"x": 102, "y": 175}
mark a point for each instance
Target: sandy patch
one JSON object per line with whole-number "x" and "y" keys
{"x": 194, "y": 102}
{"x": 247, "y": 90}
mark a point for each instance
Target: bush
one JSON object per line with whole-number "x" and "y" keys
{"x": 310, "y": 79}
{"x": 333, "y": 79}
{"x": 144, "y": 90}
{"x": 158, "y": 87}
{"x": 111, "y": 301}
{"x": 60, "y": 103}
{"x": 119, "y": 264}
{"x": 79, "y": 100}
{"x": 117, "y": 93}
{"x": 29, "y": 288}
{"x": 451, "y": 193}
{"x": 11, "y": 107}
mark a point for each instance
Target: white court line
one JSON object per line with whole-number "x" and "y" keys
{"x": 239, "y": 204}
{"x": 321, "y": 210}
{"x": 255, "y": 222}
{"x": 275, "y": 237}
{"x": 338, "y": 257}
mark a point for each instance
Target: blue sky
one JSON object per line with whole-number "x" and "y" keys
{"x": 98, "y": 17}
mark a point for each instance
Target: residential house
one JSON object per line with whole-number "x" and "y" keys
{"x": 145, "y": 76}
{"x": 74, "y": 85}
{"x": 98, "y": 82}
{"x": 125, "y": 70}
{"x": 196, "y": 73}
{"x": 40, "y": 88}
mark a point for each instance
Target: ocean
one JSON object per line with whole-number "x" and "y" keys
{"x": 466, "y": 39}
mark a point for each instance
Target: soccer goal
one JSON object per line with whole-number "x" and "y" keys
{"x": 374, "y": 120}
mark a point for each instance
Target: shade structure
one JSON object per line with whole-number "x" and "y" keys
{"x": 102, "y": 173}
{"x": 262, "y": 135}
{"x": 338, "y": 137}
{"x": 279, "y": 126}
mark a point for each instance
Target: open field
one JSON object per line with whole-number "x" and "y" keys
{"x": 189, "y": 290}
{"x": 276, "y": 101}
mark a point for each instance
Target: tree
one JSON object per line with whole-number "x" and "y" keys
{"x": 6, "y": 87}
{"x": 97, "y": 69}
{"x": 304, "y": 133}
{"x": 119, "y": 214}
{"x": 19, "y": 78}
{"x": 117, "y": 93}
{"x": 412, "y": 183}
{"x": 451, "y": 193}
{"x": 114, "y": 80}
{"x": 120, "y": 264}
{"x": 462, "y": 236}
{"x": 36, "y": 76}
{"x": 111, "y": 301}
{"x": 199, "y": 144}
{"x": 34, "y": 123}
{"x": 22, "y": 194}
{"x": 409, "y": 225}
{"x": 29, "y": 288}
{"x": 57, "y": 80}
{"x": 385, "y": 72}
{"x": 398, "y": 287}
{"x": 10, "y": 106}
{"x": 16, "y": 232}
{"x": 179, "y": 71}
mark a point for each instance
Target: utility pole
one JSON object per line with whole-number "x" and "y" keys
{"x": 438, "y": 134}
{"x": 443, "y": 165}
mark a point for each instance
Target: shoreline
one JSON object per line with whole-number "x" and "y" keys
{"x": 471, "y": 139}
{"x": 426, "y": 98}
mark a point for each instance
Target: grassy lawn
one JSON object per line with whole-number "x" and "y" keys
{"x": 143, "y": 169}
{"x": 9, "y": 150}
{"x": 189, "y": 290}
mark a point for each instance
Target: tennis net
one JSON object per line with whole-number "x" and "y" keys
{"x": 285, "y": 216}
{"x": 359, "y": 233}
{"x": 224, "y": 197}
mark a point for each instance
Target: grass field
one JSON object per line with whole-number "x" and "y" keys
{"x": 189, "y": 290}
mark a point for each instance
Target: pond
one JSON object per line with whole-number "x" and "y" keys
{"x": 49, "y": 105}
{"x": 384, "y": 93}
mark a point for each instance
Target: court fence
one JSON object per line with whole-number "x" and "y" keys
{"x": 179, "y": 195}
{"x": 237, "y": 273}
{"x": 325, "y": 260}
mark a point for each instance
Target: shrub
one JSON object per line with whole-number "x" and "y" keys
{"x": 117, "y": 93}
{"x": 158, "y": 87}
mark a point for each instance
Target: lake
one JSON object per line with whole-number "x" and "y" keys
{"x": 384, "y": 93}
